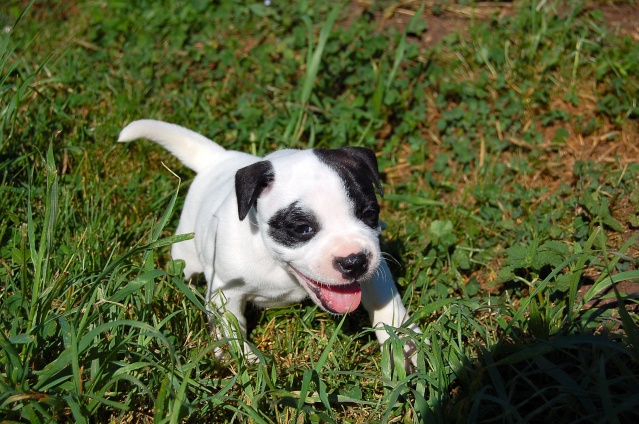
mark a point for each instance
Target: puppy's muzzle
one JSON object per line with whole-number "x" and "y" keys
{"x": 352, "y": 266}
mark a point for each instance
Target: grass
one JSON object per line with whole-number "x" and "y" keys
{"x": 508, "y": 151}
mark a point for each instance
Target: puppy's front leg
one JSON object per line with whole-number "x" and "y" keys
{"x": 384, "y": 305}
{"x": 227, "y": 302}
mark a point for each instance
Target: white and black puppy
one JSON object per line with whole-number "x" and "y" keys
{"x": 273, "y": 231}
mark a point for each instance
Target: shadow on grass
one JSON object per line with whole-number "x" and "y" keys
{"x": 565, "y": 379}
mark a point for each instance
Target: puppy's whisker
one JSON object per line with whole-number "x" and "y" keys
{"x": 381, "y": 273}
{"x": 391, "y": 258}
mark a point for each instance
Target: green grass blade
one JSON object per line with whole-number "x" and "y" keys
{"x": 630, "y": 326}
{"x": 312, "y": 69}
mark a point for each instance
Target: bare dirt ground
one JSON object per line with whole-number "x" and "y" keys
{"x": 441, "y": 20}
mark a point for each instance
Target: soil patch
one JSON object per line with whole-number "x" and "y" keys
{"x": 444, "y": 19}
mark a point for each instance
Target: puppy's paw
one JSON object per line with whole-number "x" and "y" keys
{"x": 232, "y": 349}
{"x": 411, "y": 343}
{"x": 410, "y": 356}
{"x": 249, "y": 355}
{"x": 220, "y": 353}
{"x": 404, "y": 349}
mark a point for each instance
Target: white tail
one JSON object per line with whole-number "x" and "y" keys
{"x": 192, "y": 149}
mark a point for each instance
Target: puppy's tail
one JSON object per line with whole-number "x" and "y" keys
{"x": 192, "y": 149}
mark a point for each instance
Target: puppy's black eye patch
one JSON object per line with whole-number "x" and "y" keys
{"x": 293, "y": 226}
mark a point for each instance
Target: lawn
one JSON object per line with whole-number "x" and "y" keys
{"x": 508, "y": 141}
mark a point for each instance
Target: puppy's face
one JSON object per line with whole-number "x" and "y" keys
{"x": 317, "y": 213}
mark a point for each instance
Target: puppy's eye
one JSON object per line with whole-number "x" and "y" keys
{"x": 304, "y": 229}
{"x": 370, "y": 217}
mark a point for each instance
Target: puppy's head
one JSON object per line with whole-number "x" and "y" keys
{"x": 318, "y": 215}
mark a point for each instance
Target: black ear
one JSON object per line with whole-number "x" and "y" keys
{"x": 353, "y": 162}
{"x": 369, "y": 160}
{"x": 250, "y": 181}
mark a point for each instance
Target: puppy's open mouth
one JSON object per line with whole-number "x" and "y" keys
{"x": 338, "y": 299}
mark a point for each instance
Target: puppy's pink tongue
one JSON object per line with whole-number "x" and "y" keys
{"x": 341, "y": 299}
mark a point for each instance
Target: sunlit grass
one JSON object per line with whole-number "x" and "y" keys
{"x": 511, "y": 211}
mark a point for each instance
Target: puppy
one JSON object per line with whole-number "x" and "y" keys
{"x": 273, "y": 231}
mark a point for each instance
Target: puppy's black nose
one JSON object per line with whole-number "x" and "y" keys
{"x": 352, "y": 266}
